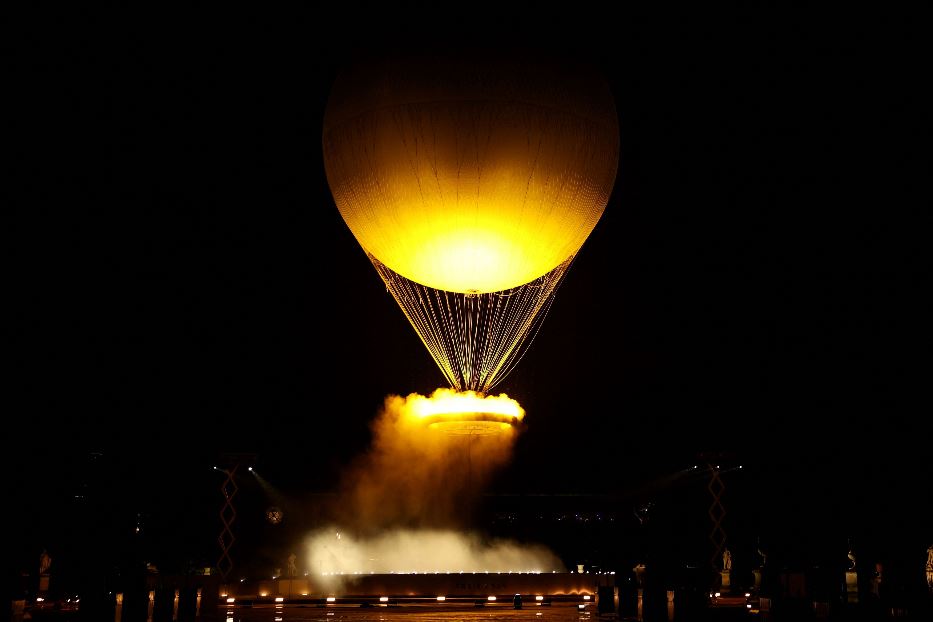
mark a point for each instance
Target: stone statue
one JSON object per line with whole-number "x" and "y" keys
{"x": 851, "y": 560}
{"x": 292, "y": 567}
{"x": 726, "y": 560}
{"x": 44, "y": 562}
{"x": 762, "y": 555}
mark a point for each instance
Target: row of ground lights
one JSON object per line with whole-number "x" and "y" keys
{"x": 384, "y": 599}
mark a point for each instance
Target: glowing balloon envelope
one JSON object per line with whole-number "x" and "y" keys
{"x": 471, "y": 186}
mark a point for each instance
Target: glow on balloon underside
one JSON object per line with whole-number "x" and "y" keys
{"x": 476, "y": 339}
{"x": 471, "y": 195}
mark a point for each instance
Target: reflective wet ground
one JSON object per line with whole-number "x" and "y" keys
{"x": 291, "y": 613}
{"x": 563, "y": 612}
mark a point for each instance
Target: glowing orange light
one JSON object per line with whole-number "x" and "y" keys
{"x": 466, "y": 412}
{"x": 465, "y": 184}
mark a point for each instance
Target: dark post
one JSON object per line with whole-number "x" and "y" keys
{"x": 164, "y": 604}
{"x": 187, "y": 600}
{"x": 210, "y": 598}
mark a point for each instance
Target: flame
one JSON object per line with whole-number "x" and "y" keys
{"x": 448, "y": 401}
{"x": 465, "y": 411}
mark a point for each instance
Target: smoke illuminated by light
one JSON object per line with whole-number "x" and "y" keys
{"x": 406, "y": 503}
{"x": 422, "y": 551}
{"x": 430, "y": 457}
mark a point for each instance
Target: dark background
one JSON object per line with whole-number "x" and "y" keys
{"x": 182, "y": 284}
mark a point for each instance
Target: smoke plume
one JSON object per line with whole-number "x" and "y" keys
{"x": 424, "y": 551}
{"x": 406, "y": 504}
{"x": 415, "y": 476}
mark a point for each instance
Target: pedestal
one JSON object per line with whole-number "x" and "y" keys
{"x": 851, "y": 586}
{"x": 756, "y": 573}
{"x": 725, "y": 579}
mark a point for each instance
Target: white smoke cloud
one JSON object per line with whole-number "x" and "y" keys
{"x": 331, "y": 551}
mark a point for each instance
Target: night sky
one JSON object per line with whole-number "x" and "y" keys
{"x": 182, "y": 284}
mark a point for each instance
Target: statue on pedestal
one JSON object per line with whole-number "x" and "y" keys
{"x": 292, "y": 569}
{"x": 44, "y": 562}
{"x": 725, "y": 574}
{"x": 851, "y": 579}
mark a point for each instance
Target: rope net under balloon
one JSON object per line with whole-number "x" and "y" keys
{"x": 476, "y": 339}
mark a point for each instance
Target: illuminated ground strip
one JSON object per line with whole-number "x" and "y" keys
{"x": 424, "y": 587}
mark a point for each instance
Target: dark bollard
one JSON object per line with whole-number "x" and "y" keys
{"x": 187, "y": 602}
{"x": 210, "y": 599}
{"x": 655, "y": 604}
{"x": 96, "y": 604}
{"x": 135, "y": 603}
{"x": 164, "y": 605}
{"x": 607, "y": 599}
{"x": 517, "y": 601}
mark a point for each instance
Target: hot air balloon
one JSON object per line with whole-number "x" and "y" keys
{"x": 471, "y": 185}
